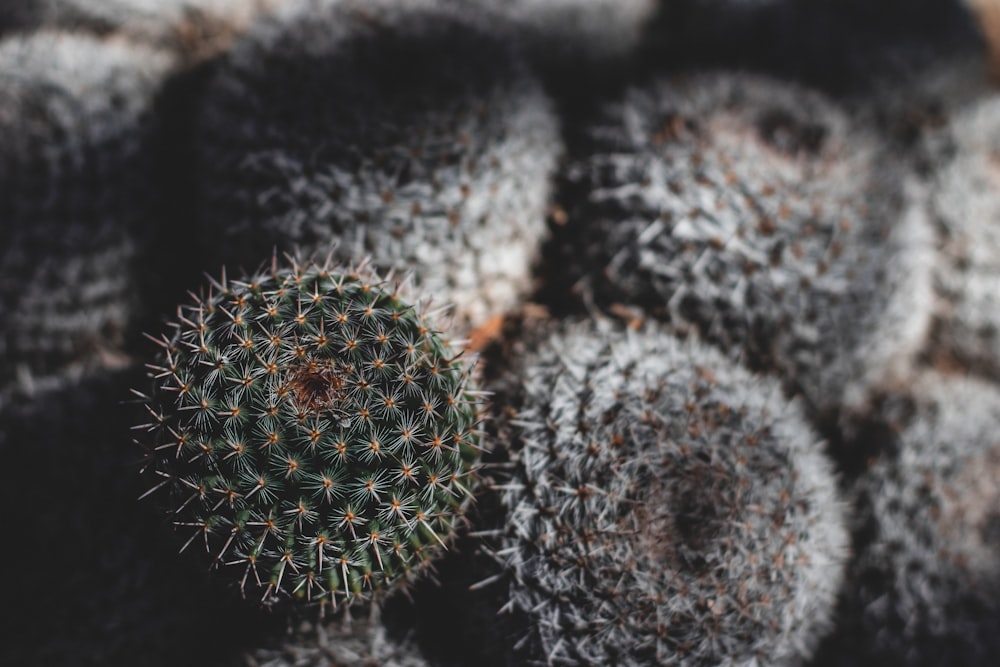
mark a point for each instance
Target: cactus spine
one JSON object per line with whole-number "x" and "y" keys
{"x": 313, "y": 431}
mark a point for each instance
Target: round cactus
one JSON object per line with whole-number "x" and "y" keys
{"x": 667, "y": 507}
{"x": 751, "y": 212}
{"x": 312, "y": 431}
{"x": 966, "y": 208}
{"x": 75, "y": 123}
{"x": 397, "y": 130}
{"x": 923, "y": 587}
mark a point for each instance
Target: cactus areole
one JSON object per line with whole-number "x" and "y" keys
{"x": 312, "y": 432}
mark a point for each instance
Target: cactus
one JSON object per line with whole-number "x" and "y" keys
{"x": 922, "y": 589}
{"x": 191, "y": 29}
{"x": 356, "y": 641}
{"x": 312, "y": 431}
{"x": 965, "y": 208}
{"x": 399, "y": 131}
{"x": 75, "y": 127}
{"x": 753, "y": 213}
{"x": 667, "y": 507}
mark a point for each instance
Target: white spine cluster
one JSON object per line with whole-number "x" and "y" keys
{"x": 75, "y": 124}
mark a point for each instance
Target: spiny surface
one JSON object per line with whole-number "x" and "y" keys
{"x": 360, "y": 641}
{"x": 667, "y": 507}
{"x": 924, "y": 586}
{"x": 401, "y": 132}
{"x": 192, "y": 29}
{"x": 75, "y": 121}
{"x": 966, "y": 210}
{"x": 312, "y": 432}
{"x": 752, "y": 212}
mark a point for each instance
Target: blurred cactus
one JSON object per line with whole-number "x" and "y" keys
{"x": 754, "y": 213}
{"x": 923, "y": 587}
{"x": 966, "y": 210}
{"x": 190, "y": 29}
{"x": 564, "y": 34}
{"x": 355, "y": 641}
{"x": 75, "y": 124}
{"x": 425, "y": 143}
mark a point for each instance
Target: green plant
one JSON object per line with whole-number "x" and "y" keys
{"x": 313, "y": 430}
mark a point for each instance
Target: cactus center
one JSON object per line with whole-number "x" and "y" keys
{"x": 317, "y": 385}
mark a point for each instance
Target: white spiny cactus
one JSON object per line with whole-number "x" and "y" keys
{"x": 666, "y": 507}
{"x": 753, "y": 212}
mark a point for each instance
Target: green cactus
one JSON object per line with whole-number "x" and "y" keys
{"x": 313, "y": 431}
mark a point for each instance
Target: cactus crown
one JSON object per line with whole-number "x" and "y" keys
{"x": 312, "y": 430}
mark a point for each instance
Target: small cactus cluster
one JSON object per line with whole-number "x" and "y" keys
{"x": 75, "y": 126}
{"x": 420, "y": 125}
{"x": 927, "y": 573}
{"x": 965, "y": 207}
{"x": 667, "y": 507}
{"x": 312, "y": 431}
{"x": 752, "y": 212}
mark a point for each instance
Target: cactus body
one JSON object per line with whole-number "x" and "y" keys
{"x": 75, "y": 122}
{"x": 191, "y": 29}
{"x": 312, "y": 432}
{"x": 923, "y": 587}
{"x": 750, "y": 212}
{"x": 966, "y": 208}
{"x": 667, "y": 508}
{"x": 399, "y": 132}
{"x": 362, "y": 641}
